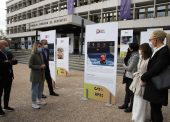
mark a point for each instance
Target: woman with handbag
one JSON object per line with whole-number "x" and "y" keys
{"x": 130, "y": 68}
{"x": 37, "y": 76}
{"x": 140, "y": 106}
{"x": 158, "y": 62}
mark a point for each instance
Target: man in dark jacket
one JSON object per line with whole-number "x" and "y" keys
{"x": 6, "y": 75}
{"x": 158, "y": 62}
{"x": 47, "y": 69}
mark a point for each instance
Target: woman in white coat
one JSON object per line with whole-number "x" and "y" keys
{"x": 140, "y": 105}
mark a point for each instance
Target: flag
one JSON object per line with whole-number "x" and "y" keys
{"x": 70, "y": 7}
{"x": 125, "y": 12}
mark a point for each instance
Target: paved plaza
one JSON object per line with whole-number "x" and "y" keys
{"x": 68, "y": 107}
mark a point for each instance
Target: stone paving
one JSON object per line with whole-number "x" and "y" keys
{"x": 68, "y": 107}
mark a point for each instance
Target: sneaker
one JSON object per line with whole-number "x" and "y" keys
{"x": 9, "y": 109}
{"x": 54, "y": 94}
{"x": 35, "y": 106}
{"x": 41, "y": 102}
{"x": 2, "y": 113}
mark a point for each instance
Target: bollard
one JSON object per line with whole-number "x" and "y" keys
{"x": 85, "y": 98}
{"x": 109, "y": 104}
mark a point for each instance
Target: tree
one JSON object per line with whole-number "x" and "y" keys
{"x": 3, "y": 35}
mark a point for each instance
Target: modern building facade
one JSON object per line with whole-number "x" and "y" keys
{"x": 24, "y": 17}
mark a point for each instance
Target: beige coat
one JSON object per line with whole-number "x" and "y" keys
{"x": 136, "y": 84}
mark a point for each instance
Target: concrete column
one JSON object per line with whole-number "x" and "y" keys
{"x": 116, "y": 13}
{"x": 59, "y": 7}
{"x": 101, "y": 14}
{"x": 154, "y": 13}
{"x": 88, "y": 15}
{"x": 134, "y": 10}
{"x": 78, "y": 3}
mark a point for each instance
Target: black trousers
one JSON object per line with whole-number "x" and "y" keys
{"x": 156, "y": 112}
{"x": 1, "y": 91}
{"x": 49, "y": 80}
{"x": 129, "y": 94}
{"x": 6, "y": 89}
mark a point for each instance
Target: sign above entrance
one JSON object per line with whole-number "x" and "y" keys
{"x": 50, "y": 22}
{"x": 63, "y": 20}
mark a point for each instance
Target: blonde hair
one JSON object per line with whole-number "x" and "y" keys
{"x": 161, "y": 35}
{"x": 34, "y": 48}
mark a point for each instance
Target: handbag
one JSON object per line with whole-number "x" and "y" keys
{"x": 162, "y": 81}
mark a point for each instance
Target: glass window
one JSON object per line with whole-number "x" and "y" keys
{"x": 40, "y": 11}
{"x": 63, "y": 6}
{"x": 24, "y": 16}
{"x": 161, "y": 11}
{"x": 168, "y": 10}
{"x": 29, "y": 14}
{"x": 108, "y": 17}
{"x": 29, "y": 2}
{"x": 150, "y": 12}
{"x": 83, "y": 2}
{"x": 142, "y": 13}
{"x": 34, "y": 13}
{"x": 47, "y": 9}
{"x": 95, "y": 17}
{"x": 54, "y": 7}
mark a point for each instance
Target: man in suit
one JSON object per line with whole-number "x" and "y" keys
{"x": 6, "y": 75}
{"x": 159, "y": 61}
{"x": 47, "y": 69}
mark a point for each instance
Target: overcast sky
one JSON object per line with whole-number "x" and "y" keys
{"x": 3, "y": 14}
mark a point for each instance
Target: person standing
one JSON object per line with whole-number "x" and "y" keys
{"x": 159, "y": 61}
{"x": 37, "y": 76}
{"x": 130, "y": 68}
{"x": 48, "y": 78}
{"x": 6, "y": 74}
{"x": 140, "y": 106}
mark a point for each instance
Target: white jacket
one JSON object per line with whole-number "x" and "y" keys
{"x": 136, "y": 84}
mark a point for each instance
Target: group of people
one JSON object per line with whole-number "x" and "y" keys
{"x": 39, "y": 65}
{"x": 40, "y": 71}
{"x": 141, "y": 63}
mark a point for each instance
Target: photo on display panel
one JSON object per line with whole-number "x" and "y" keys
{"x": 60, "y": 53}
{"x": 126, "y": 39}
{"x": 101, "y": 53}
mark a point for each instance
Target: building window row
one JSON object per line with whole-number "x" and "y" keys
{"x": 63, "y": 4}
{"x": 43, "y": 10}
{"x": 160, "y": 10}
{"x": 98, "y": 16}
{"x": 21, "y": 4}
{"x": 18, "y": 29}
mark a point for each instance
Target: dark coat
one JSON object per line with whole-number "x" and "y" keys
{"x": 12, "y": 61}
{"x": 46, "y": 58}
{"x": 156, "y": 65}
{"x": 37, "y": 74}
{"x": 5, "y": 68}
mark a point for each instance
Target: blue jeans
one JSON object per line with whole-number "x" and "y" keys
{"x": 37, "y": 90}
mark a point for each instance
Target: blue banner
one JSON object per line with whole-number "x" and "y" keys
{"x": 125, "y": 12}
{"x": 70, "y": 7}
